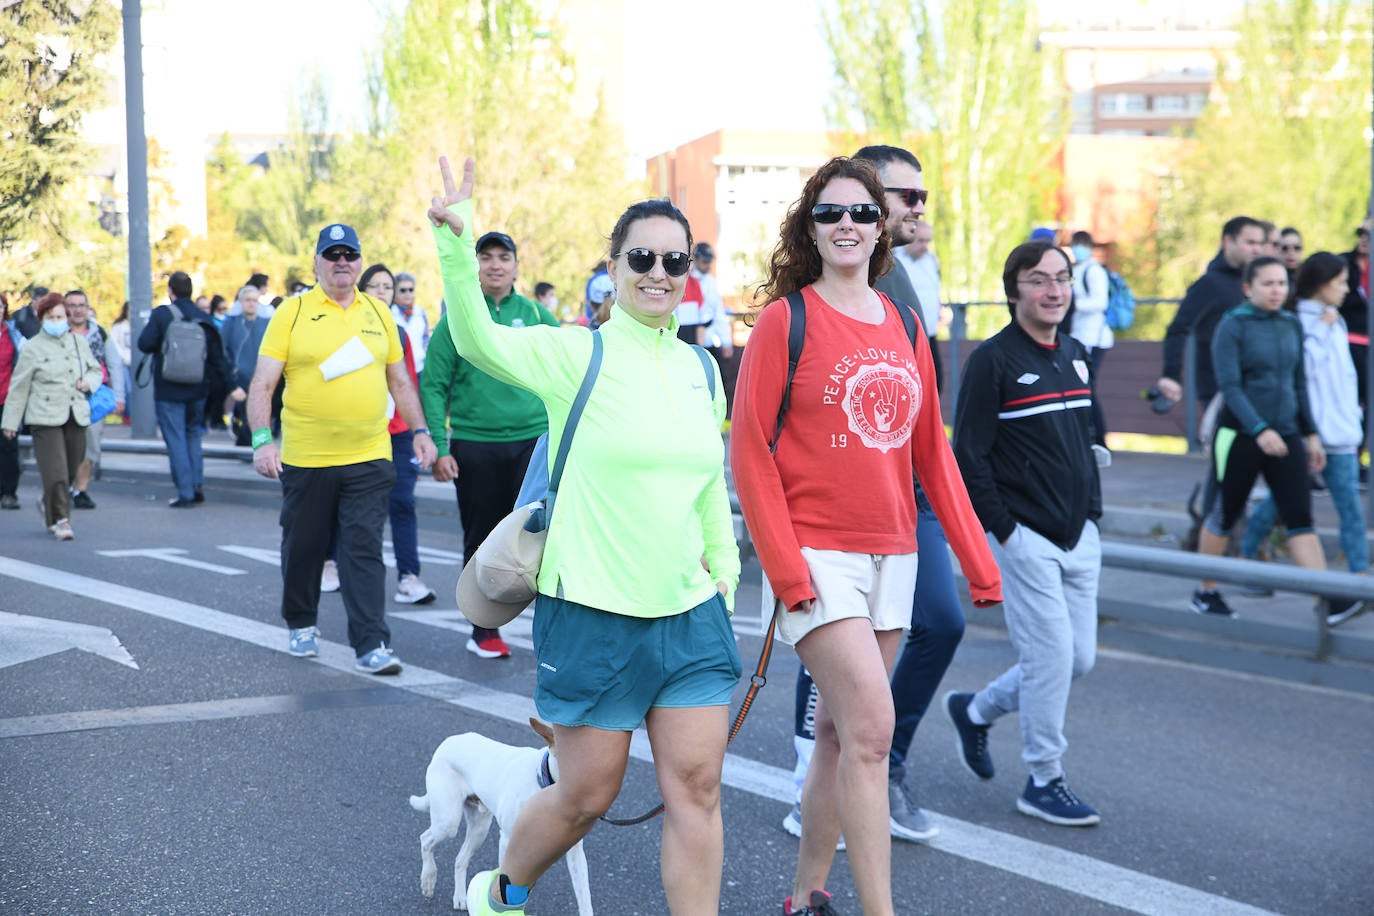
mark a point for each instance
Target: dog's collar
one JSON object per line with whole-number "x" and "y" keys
{"x": 545, "y": 774}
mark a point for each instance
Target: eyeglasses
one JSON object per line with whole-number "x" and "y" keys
{"x": 910, "y": 196}
{"x": 348, "y": 254}
{"x": 1040, "y": 282}
{"x": 859, "y": 213}
{"x": 405, "y": 289}
{"x": 641, "y": 261}
{"x": 1293, "y": 247}
{"x": 1362, "y": 233}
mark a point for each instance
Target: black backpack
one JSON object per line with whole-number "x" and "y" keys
{"x": 796, "y": 337}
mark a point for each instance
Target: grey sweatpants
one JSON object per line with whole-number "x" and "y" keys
{"x": 1050, "y": 603}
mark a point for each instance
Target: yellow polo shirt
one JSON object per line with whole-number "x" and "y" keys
{"x": 342, "y": 420}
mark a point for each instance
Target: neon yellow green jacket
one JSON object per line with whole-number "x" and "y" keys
{"x": 643, "y": 500}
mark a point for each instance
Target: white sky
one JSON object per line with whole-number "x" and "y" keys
{"x": 689, "y": 68}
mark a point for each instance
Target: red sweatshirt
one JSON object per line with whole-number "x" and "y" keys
{"x": 863, "y": 414}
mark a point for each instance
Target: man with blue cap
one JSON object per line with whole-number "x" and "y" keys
{"x": 340, "y": 353}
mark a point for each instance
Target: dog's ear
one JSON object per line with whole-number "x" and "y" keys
{"x": 542, "y": 730}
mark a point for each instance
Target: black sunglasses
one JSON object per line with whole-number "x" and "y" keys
{"x": 641, "y": 261}
{"x": 859, "y": 213}
{"x": 910, "y": 196}
{"x": 406, "y": 289}
{"x": 348, "y": 254}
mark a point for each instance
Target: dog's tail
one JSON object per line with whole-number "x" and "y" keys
{"x": 420, "y": 803}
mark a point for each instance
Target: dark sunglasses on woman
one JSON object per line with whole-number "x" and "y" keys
{"x": 641, "y": 261}
{"x": 859, "y": 213}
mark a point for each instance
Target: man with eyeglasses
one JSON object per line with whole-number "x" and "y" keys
{"x": 485, "y": 430}
{"x": 1023, "y": 439}
{"x": 340, "y": 352}
{"x": 412, "y": 319}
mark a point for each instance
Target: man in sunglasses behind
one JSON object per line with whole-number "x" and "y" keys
{"x": 340, "y": 352}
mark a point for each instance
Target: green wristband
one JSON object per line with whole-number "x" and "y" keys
{"x": 261, "y": 437}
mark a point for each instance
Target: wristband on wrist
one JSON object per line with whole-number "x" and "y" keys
{"x": 422, "y": 431}
{"x": 261, "y": 437}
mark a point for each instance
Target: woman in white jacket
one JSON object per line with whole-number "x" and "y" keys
{"x": 1090, "y": 328}
{"x": 1333, "y": 392}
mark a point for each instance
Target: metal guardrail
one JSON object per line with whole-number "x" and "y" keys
{"x": 155, "y": 447}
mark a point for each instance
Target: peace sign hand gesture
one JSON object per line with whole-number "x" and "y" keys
{"x": 439, "y": 212}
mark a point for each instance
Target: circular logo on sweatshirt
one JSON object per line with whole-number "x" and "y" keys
{"x": 882, "y": 402}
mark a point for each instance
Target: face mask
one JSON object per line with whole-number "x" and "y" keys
{"x": 1081, "y": 253}
{"x": 55, "y": 328}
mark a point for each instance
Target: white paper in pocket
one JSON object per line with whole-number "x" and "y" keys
{"x": 351, "y": 357}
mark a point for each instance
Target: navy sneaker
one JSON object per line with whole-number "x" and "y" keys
{"x": 1209, "y": 603}
{"x": 1339, "y": 610}
{"x": 380, "y": 660}
{"x": 818, "y": 905}
{"x": 304, "y": 642}
{"x": 973, "y": 739}
{"x": 1057, "y": 804}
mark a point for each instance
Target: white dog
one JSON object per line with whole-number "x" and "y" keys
{"x": 473, "y": 778}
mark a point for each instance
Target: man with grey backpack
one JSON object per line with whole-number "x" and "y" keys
{"x": 187, "y": 358}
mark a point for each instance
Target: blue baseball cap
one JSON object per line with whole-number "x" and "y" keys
{"x": 335, "y": 236}
{"x": 1042, "y": 234}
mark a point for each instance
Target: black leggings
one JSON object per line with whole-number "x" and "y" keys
{"x": 1287, "y": 478}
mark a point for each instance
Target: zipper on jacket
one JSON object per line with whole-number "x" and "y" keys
{"x": 662, "y": 377}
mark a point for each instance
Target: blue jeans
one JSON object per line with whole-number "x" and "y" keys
{"x": 1342, "y": 476}
{"x": 181, "y": 425}
{"x": 937, "y": 626}
{"x": 405, "y": 532}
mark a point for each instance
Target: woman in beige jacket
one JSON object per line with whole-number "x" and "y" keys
{"x": 52, "y": 380}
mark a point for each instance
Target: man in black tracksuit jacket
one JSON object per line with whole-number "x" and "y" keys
{"x": 1212, "y": 295}
{"x": 1024, "y": 441}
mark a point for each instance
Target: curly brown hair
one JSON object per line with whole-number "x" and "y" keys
{"x": 796, "y": 261}
{"x": 48, "y": 303}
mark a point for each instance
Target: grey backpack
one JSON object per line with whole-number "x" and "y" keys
{"x": 184, "y": 351}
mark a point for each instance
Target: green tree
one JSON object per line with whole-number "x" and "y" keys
{"x": 48, "y": 81}
{"x": 1283, "y": 137}
{"x": 965, "y": 87}
{"x": 491, "y": 79}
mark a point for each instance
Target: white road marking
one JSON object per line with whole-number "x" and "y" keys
{"x": 1044, "y": 863}
{"x": 28, "y": 638}
{"x": 174, "y": 555}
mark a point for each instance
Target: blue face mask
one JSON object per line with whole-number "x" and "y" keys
{"x": 55, "y": 328}
{"x": 1081, "y": 253}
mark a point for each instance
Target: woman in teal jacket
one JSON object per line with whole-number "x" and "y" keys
{"x": 640, "y": 566}
{"x": 52, "y": 380}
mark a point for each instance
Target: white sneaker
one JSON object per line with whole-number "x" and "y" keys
{"x": 412, "y": 591}
{"x": 329, "y": 577}
{"x": 62, "y": 530}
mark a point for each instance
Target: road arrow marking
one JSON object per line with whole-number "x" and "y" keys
{"x": 173, "y": 555}
{"x": 28, "y": 638}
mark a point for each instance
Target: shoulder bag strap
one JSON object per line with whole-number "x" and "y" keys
{"x": 574, "y": 415}
{"x": 706, "y": 367}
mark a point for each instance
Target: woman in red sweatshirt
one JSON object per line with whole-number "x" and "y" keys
{"x": 829, "y": 502}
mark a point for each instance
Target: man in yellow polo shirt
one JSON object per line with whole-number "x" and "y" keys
{"x": 340, "y": 353}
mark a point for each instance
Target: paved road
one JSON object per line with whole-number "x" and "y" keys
{"x": 220, "y": 775}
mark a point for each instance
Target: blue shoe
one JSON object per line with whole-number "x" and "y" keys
{"x": 304, "y": 642}
{"x": 973, "y": 739}
{"x": 479, "y": 900}
{"x": 380, "y": 660}
{"x": 1057, "y": 804}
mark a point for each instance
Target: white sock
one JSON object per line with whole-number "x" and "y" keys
{"x": 973, "y": 716}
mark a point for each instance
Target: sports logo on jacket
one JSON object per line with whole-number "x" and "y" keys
{"x": 1081, "y": 368}
{"x": 882, "y": 402}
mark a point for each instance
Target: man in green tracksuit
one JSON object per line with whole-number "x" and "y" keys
{"x": 484, "y": 430}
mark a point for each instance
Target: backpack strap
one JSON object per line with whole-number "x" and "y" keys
{"x": 796, "y": 336}
{"x": 706, "y": 367}
{"x": 574, "y": 415}
{"x": 908, "y": 316}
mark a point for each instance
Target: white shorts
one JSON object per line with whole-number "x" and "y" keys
{"x": 877, "y": 587}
